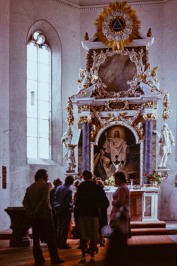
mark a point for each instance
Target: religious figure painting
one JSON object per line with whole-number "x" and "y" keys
{"x": 115, "y": 151}
{"x": 115, "y": 72}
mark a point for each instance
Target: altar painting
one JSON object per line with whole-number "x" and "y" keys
{"x": 117, "y": 150}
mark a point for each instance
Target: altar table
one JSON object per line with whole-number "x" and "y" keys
{"x": 143, "y": 202}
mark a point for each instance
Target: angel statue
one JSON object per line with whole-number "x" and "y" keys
{"x": 166, "y": 140}
{"x": 69, "y": 150}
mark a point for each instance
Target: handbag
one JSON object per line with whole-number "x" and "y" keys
{"x": 106, "y": 231}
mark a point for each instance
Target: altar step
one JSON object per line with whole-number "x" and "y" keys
{"x": 149, "y": 231}
{"x": 137, "y": 228}
{"x": 150, "y": 228}
{"x": 155, "y": 224}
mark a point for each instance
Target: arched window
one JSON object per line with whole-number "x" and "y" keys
{"x": 38, "y": 97}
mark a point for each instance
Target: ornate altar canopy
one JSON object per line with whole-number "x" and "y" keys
{"x": 117, "y": 101}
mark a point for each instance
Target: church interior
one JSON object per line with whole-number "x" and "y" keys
{"x": 91, "y": 85}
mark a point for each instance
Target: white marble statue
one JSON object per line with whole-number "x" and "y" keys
{"x": 166, "y": 140}
{"x": 84, "y": 79}
{"x": 69, "y": 150}
{"x": 71, "y": 158}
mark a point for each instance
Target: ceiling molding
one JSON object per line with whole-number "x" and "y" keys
{"x": 88, "y": 7}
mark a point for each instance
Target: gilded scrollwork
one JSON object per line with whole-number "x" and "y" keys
{"x": 150, "y": 104}
{"x": 85, "y": 119}
{"x": 69, "y": 109}
{"x": 128, "y": 119}
{"x": 136, "y": 106}
{"x": 110, "y": 117}
{"x": 150, "y": 116}
{"x": 117, "y": 104}
{"x": 166, "y": 103}
{"x": 82, "y": 108}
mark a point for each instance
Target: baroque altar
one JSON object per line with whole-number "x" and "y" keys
{"x": 117, "y": 103}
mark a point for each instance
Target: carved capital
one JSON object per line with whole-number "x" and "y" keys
{"x": 85, "y": 119}
{"x": 150, "y": 116}
{"x": 83, "y": 108}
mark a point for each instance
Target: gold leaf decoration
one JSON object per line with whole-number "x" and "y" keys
{"x": 117, "y": 25}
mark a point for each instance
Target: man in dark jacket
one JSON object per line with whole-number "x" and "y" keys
{"x": 90, "y": 198}
{"x": 63, "y": 205}
{"x": 37, "y": 205}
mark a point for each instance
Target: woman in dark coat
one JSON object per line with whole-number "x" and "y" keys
{"x": 103, "y": 214}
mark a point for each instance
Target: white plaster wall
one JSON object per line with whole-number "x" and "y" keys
{"x": 4, "y": 109}
{"x": 168, "y": 196}
{"x": 14, "y": 27}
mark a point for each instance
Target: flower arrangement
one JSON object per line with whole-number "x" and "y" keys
{"x": 110, "y": 181}
{"x": 153, "y": 177}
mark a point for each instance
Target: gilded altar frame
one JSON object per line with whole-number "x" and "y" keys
{"x": 118, "y": 88}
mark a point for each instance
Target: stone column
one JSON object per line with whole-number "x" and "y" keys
{"x": 148, "y": 146}
{"x": 85, "y": 146}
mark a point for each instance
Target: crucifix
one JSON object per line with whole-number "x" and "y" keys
{"x": 117, "y": 163}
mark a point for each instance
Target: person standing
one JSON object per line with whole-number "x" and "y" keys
{"x": 117, "y": 250}
{"x": 121, "y": 200}
{"x": 103, "y": 218}
{"x": 57, "y": 182}
{"x": 63, "y": 205}
{"x": 37, "y": 205}
{"x": 75, "y": 231}
{"x": 90, "y": 197}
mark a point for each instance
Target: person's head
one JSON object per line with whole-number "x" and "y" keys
{"x": 77, "y": 183}
{"x": 41, "y": 174}
{"x": 50, "y": 185}
{"x": 100, "y": 183}
{"x": 120, "y": 177}
{"x": 57, "y": 182}
{"x": 87, "y": 175}
{"x": 116, "y": 134}
{"x": 69, "y": 180}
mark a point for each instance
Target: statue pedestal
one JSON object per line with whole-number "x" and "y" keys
{"x": 20, "y": 226}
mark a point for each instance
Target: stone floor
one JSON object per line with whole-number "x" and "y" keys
{"x": 23, "y": 256}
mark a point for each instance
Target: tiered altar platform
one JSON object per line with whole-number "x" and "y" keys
{"x": 143, "y": 251}
{"x": 154, "y": 250}
{"x": 149, "y": 228}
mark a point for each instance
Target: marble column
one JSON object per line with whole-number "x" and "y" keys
{"x": 148, "y": 147}
{"x": 85, "y": 146}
